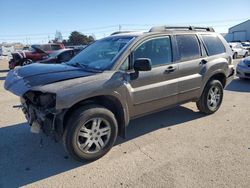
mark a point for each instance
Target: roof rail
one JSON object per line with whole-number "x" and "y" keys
{"x": 191, "y": 28}
{"x": 120, "y": 32}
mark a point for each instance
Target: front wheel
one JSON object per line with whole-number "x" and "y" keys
{"x": 211, "y": 98}
{"x": 90, "y": 133}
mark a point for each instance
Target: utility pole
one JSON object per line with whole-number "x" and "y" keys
{"x": 120, "y": 27}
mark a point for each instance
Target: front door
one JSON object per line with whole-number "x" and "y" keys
{"x": 157, "y": 88}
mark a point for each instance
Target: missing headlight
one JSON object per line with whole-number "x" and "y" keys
{"x": 40, "y": 99}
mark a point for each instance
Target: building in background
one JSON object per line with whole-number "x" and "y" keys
{"x": 239, "y": 33}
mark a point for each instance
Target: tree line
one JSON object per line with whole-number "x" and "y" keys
{"x": 77, "y": 38}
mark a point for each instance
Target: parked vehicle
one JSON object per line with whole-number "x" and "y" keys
{"x": 246, "y": 45}
{"x": 243, "y": 68}
{"x": 77, "y": 48}
{"x": 238, "y": 50}
{"x": 36, "y": 53}
{"x": 59, "y": 56}
{"x": 90, "y": 100}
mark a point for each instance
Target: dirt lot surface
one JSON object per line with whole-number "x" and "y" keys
{"x": 178, "y": 147}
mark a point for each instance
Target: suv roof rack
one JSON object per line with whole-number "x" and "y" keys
{"x": 120, "y": 32}
{"x": 191, "y": 28}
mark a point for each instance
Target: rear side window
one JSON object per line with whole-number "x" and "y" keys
{"x": 213, "y": 44}
{"x": 188, "y": 47}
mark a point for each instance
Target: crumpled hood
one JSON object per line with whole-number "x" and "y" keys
{"x": 20, "y": 80}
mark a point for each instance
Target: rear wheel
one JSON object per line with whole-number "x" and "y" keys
{"x": 211, "y": 98}
{"x": 90, "y": 133}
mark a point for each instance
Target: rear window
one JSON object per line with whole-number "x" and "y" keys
{"x": 188, "y": 47}
{"x": 213, "y": 44}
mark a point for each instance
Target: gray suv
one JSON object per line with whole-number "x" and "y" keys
{"x": 90, "y": 100}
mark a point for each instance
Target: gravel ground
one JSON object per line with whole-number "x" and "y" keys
{"x": 178, "y": 147}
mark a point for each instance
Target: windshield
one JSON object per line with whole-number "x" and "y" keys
{"x": 100, "y": 55}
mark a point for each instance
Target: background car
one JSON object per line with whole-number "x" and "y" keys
{"x": 238, "y": 50}
{"x": 77, "y": 48}
{"x": 246, "y": 45}
{"x": 35, "y": 53}
{"x": 59, "y": 56}
{"x": 243, "y": 68}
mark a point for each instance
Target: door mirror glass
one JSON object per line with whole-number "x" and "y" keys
{"x": 142, "y": 64}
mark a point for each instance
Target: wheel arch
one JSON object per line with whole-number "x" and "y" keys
{"x": 217, "y": 76}
{"x": 110, "y": 102}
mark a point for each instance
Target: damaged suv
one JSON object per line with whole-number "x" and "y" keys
{"x": 90, "y": 100}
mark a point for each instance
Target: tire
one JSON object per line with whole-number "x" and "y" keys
{"x": 235, "y": 55}
{"x": 90, "y": 133}
{"x": 26, "y": 62}
{"x": 207, "y": 103}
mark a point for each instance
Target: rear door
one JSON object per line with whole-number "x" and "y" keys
{"x": 192, "y": 61}
{"x": 157, "y": 88}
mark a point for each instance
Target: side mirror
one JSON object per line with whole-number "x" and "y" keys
{"x": 142, "y": 64}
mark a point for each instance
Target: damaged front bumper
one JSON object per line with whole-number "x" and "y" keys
{"x": 41, "y": 114}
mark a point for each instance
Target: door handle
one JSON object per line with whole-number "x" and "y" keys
{"x": 170, "y": 69}
{"x": 203, "y": 62}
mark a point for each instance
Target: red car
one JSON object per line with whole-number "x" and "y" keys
{"x": 35, "y": 53}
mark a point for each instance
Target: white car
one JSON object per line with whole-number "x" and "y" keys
{"x": 238, "y": 49}
{"x": 243, "y": 68}
{"x": 246, "y": 45}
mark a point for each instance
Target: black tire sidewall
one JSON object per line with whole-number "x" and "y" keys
{"x": 235, "y": 55}
{"x": 80, "y": 117}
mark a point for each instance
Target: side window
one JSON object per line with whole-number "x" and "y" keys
{"x": 213, "y": 44}
{"x": 55, "y": 47}
{"x": 158, "y": 50}
{"x": 45, "y": 47}
{"x": 188, "y": 47}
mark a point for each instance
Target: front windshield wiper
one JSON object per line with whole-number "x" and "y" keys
{"x": 85, "y": 67}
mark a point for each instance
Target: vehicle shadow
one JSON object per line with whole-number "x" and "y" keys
{"x": 2, "y": 71}
{"x": 239, "y": 85}
{"x": 2, "y": 77}
{"x": 24, "y": 161}
{"x": 160, "y": 120}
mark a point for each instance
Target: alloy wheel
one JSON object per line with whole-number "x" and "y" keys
{"x": 214, "y": 97}
{"x": 94, "y": 135}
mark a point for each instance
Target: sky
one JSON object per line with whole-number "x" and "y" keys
{"x": 31, "y": 21}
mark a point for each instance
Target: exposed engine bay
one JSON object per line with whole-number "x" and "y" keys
{"x": 39, "y": 111}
